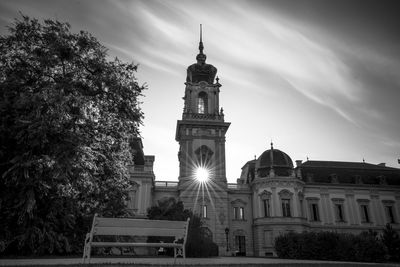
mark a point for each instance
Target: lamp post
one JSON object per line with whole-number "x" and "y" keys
{"x": 227, "y": 239}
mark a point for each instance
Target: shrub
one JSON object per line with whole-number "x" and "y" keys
{"x": 330, "y": 246}
{"x": 369, "y": 248}
{"x": 199, "y": 241}
{"x": 391, "y": 240}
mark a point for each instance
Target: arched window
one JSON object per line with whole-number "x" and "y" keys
{"x": 204, "y": 154}
{"x": 202, "y": 103}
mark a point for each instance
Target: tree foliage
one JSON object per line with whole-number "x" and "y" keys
{"x": 199, "y": 241}
{"x": 67, "y": 113}
{"x": 169, "y": 209}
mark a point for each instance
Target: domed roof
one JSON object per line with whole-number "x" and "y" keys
{"x": 275, "y": 158}
{"x": 201, "y": 71}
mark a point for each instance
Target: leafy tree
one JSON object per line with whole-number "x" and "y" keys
{"x": 391, "y": 239}
{"x": 199, "y": 241}
{"x": 169, "y": 209}
{"x": 67, "y": 113}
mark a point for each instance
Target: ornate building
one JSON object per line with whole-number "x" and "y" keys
{"x": 271, "y": 196}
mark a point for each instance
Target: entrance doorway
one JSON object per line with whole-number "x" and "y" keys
{"x": 240, "y": 244}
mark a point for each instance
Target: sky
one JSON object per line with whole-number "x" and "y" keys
{"x": 320, "y": 78}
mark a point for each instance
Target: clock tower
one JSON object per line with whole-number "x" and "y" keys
{"x": 201, "y": 136}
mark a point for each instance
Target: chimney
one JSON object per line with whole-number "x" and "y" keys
{"x": 383, "y": 164}
{"x": 298, "y": 163}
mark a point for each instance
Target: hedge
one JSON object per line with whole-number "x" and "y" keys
{"x": 364, "y": 247}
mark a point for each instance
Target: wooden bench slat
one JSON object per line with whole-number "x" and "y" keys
{"x": 128, "y": 244}
{"x": 138, "y": 223}
{"x": 136, "y": 227}
{"x": 139, "y": 231}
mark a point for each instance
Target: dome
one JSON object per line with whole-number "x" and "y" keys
{"x": 278, "y": 160}
{"x": 274, "y": 158}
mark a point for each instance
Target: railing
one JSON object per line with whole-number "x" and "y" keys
{"x": 139, "y": 169}
{"x": 233, "y": 186}
{"x": 237, "y": 186}
{"x": 198, "y": 116}
{"x": 165, "y": 184}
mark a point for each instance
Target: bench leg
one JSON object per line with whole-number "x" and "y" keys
{"x": 86, "y": 250}
{"x": 179, "y": 252}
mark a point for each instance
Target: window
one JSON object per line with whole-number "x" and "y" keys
{"x": 286, "y": 197}
{"x": 338, "y": 207}
{"x": 313, "y": 209}
{"x": 301, "y": 202}
{"x": 314, "y": 212}
{"x": 339, "y": 212}
{"x": 238, "y": 213}
{"x": 364, "y": 210}
{"x": 301, "y": 208}
{"x": 235, "y": 213}
{"x": 364, "y": 213}
{"x": 389, "y": 213}
{"x": 286, "y": 207}
{"x": 132, "y": 203}
{"x": 204, "y": 155}
{"x": 265, "y": 203}
{"x": 266, "y": 208}
{"x": 202, "y": 103}
{"x": 268, "y": 238}
{"x": 204, "y": 211}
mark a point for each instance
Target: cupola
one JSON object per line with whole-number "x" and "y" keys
{"x": 275, "y": 161}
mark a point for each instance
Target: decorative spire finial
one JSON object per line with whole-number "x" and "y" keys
{"x": 271, "y": 152}
{"x": 201, "y": 47}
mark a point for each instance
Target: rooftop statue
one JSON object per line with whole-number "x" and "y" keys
{"x": 201, "y": 71}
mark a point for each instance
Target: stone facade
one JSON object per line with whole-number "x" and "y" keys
{"x": 271, "y": 196}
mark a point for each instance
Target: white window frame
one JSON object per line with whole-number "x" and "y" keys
{"x": 315, "y": 215}
{"x": 204, "y": 211}
{"x": 365, "y": 211}
{"x": 265, "y": 198}
{"x": 390, "y": 204}
{"x": 339, "y": 202}
{"x": 286, "y": 195}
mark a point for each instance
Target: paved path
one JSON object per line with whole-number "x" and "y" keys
{"x": 160, "y": 261}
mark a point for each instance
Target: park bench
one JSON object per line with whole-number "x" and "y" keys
{"x": 136, "y": 227}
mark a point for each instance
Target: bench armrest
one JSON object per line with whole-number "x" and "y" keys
{"x": 87, "y": 238}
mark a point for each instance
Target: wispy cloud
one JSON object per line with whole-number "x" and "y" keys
{"x": 271, "y": 61}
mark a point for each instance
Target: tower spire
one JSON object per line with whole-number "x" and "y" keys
{"x": 272, "y": 154}
{"x": 201, "y": 47}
